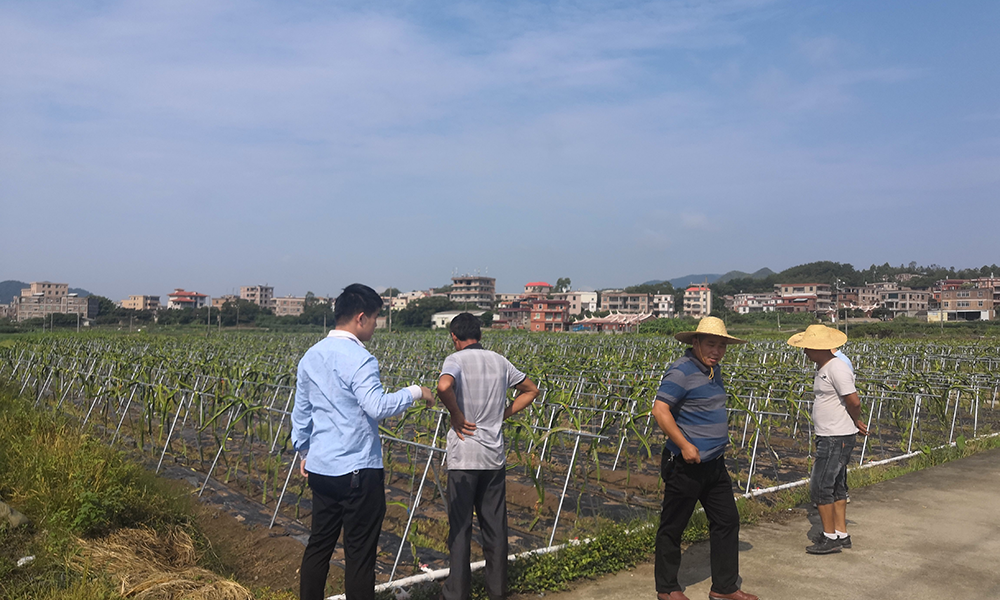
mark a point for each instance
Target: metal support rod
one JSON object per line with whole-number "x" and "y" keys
{"x": 291, "y": 469}
{"x": 864, "y": 445}
{"x": 545, "y": 444}
{"x": 621, "y": 443}
{"x": 412, "y": 511}
{"x": 173, "y": 424}
{"x": 281, "y": 421}
{"x": 222, "y": 447}
{"x": 753, "y": 459}
{"x": 913, "y": 423}
{"x": 954, "y": 416}
{"x": 124, "y": 413}
{"x": 569, "y": 473}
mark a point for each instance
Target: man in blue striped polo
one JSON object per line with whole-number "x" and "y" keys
{"x": 690, "y": 408}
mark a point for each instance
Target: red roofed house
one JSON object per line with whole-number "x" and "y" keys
{"x": 182, "y": 299}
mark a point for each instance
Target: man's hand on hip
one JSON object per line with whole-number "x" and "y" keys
{"x": 461, "y": 426}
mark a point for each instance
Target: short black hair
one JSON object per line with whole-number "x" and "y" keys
{"x": 356, "y": 298}
{"x": 465, "y": 326}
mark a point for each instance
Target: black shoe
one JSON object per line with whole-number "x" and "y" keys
{"x": 824, "y": 546}
{"x": 845, "y": 542}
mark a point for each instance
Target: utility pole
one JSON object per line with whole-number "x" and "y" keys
{"x": 941, "y": 314}
{"x": 208, "y": 321}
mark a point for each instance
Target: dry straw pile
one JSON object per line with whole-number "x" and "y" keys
{"x": 155, "y": 566}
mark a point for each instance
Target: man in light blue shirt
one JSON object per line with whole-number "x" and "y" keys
{"x": 339, "y": 401}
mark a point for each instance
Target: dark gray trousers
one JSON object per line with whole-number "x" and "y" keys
{"x": 356, "y": 505}
{"x": 486, "y": 492}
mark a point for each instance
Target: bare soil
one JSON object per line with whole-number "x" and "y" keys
{"x": 240, "y": 544}
{"x": 252, "y": 555}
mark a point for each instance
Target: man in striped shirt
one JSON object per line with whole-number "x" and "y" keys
{"x": 690, "y": 408}
{"x": 473, "y": 387}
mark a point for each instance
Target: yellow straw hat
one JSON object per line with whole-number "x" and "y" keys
{"x": 708, "y": 326}
{"x": 818, "y": 337}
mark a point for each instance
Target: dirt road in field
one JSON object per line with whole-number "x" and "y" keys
{"x": 930, "y": 534}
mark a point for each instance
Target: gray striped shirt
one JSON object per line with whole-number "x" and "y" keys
{"x": 482, "y": 378}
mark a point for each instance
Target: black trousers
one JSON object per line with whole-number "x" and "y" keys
{"x": 684, "y": 485}
{"x": 486, "y": 492}
{"x": 356, "y": 504}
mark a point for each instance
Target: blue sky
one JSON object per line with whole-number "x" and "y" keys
{"x": 307, "y": 145}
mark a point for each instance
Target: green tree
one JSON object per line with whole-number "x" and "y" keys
{"x": 239, "y": 312}
{"x": 419, "y": 312}
{"x": 563, "y": 284}
{"x": 316, "y": 311}
{"x": 105, "y": 307}
{"x": 667, "y": 326}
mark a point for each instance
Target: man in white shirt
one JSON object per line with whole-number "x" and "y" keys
{"x": 473, "y": 387}
{"x": 837, "y": 419}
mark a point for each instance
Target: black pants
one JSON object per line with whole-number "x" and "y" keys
{"x": 486, "y": 491}
{"x": 685, "y": 484}
{"x": 356, "y": 507}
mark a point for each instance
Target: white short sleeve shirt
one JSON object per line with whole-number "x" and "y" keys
{"x": 482, "y": 378}
{"x": 833, "y": 381}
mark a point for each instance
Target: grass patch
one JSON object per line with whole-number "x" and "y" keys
{"x": 76, "y": 490}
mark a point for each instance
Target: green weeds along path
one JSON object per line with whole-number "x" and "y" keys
{"x": 70, "y": 485}
{"x": 584, "y": 455}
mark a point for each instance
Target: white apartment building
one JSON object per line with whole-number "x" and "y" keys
{"x": 442, "y": 320}
{"x": 473, "y": 289}
{"x": 578, "y": 301}
{"x": 261, "y": 295}
{"x": 753, "y": 303}
{"x": 663, "y": 306}
{"x": 626, "y": 302}
{"x": 697, "y": 301}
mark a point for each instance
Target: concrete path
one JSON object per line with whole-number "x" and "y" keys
{"x": 930, "y": 534}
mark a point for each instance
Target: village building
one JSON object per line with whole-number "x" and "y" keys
{"x": 142, "y": 303}
{"x": 180, "y": 298}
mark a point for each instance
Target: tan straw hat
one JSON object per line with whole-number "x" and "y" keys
{"x": 708, "y": 326}
{"x": 818, "y": 337}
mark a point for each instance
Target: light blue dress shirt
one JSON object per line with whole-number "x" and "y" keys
{"x": 839, "y": 354}
{"x": 339, "y": 401}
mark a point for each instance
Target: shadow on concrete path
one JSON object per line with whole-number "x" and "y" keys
{"x": 930, "y": 534}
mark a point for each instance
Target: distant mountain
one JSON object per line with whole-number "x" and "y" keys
{"x": 683, "y": 282}
{"x": 760, "y": 274}
{"x": 11, "y": 288}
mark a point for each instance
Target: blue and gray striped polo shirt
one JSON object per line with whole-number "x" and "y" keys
{"x": 698, "y": 405}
